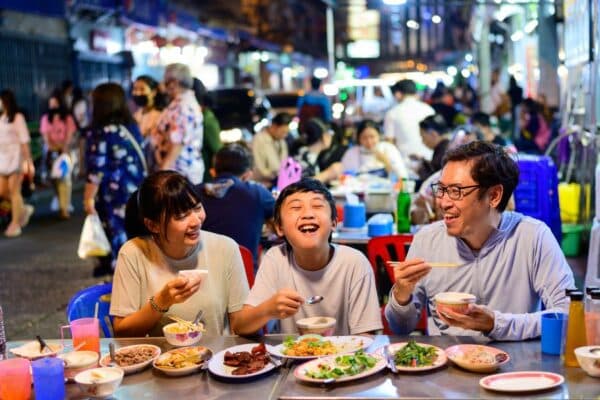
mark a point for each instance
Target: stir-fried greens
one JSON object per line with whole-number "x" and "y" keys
{"x": 346, "y": 365}
{"x": 413, "y": 355}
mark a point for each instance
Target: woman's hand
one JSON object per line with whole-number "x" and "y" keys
{"x": 176, "y": 291}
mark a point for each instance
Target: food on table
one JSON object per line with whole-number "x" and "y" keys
{"x": 247, "y": 362}
{"x": 32, "y": 350}
{"x": 480, "y": 355}
{"x": 180, "y": 327}
{"x": 346, "y": 365}
{"x": 457, "y": 302}
{"x": 134, "y": 355}
{"x": 182, "y": 358}
{"x": 310, "y": 346}
{"x": 414, "y": 355}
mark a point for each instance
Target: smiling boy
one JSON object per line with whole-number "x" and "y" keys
{"x": 309, "y": 264}
{"x": 511, "y": 263}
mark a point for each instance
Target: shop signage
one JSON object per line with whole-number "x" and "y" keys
{"x": 42, "y": 7}
{"x": 577, "y": 32}
{"x": 147, "y": 12}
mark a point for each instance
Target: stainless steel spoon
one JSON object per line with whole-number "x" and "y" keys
{"x": 111, "y": 350}
{"x": 314, "y": 299}
{"x": 198, "y": 317}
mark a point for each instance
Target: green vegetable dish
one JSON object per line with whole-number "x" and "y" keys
{"x": 413, "y": 355}
{"x": 347, "y": 365}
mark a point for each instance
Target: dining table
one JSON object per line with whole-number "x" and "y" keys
{"x": 447, "y": 381}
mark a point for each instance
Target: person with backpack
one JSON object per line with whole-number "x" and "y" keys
{"x": 314, "y": 104}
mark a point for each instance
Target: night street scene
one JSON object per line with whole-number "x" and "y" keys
{"x": 299, "y": 199}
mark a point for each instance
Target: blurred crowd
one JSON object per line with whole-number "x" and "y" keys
{"x": 113, "y": 139}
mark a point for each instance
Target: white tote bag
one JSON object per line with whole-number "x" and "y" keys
{"x": 93, "y": 241}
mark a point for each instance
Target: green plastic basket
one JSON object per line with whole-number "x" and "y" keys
{"x": 571, "y": 240}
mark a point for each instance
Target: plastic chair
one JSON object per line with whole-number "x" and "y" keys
{"x": 248, "y": 260}
{"x": 83, "y": 304}
{"x": 382, "y": 249}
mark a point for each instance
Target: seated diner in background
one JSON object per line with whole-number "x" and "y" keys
{"x": 511, "y": 263}
{"x": 163, "y": 222}
{"x": 372, "y": 155}
{"x": 308, "y": 264}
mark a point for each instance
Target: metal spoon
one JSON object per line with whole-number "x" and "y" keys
{"x": 198, "y": 317}
{"x": 314, "y": 299}
{"x": 111, "y": 349}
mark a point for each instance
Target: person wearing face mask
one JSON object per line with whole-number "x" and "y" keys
{"x": 15, "y": 161}
{"x": 373, "y": 155}
{"x": 511, "y": 263}
{"x": 164, "y": 220}
{"x": 57, "y": 128}
{"x": 147, "y": 98}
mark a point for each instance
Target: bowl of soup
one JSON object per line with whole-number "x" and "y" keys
{"x": 79, "y": 361}
{"x": 324, "y": 326}
{"x": 99, "y": 383}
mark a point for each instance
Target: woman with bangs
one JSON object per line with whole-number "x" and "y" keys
{"x": 163, "y": 221}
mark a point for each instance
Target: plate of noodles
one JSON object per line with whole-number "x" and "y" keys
{"x": 311, "y": 346}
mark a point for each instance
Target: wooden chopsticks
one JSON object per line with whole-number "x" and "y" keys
{"x": 184, "y": 322}
{"x": 431, "y": 264}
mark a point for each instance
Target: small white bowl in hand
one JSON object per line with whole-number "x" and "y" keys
{"x": 99, "y": 383}
{"x": 178, "y": 335}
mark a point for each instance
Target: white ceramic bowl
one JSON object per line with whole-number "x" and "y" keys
{"x": 589, "y": 360}
{"x": 79, "y": 361}
{"x": 324, "y": 326}
{"x": 99, "y": 383}
{"x": 457, "y": 302}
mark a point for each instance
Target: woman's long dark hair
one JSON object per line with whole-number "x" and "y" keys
{"x": 161, "y": 196}
{"x": 109, "y": 106}
{"x": 9, "y": 102}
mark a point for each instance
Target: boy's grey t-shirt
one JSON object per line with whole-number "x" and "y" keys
{"x": 346, "y": 283}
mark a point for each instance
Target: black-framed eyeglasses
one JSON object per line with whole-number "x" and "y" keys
{"x": 454, "y": 192}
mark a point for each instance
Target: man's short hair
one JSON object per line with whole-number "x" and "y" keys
{"x": 315, "y": 83}
{"x": 304, "y": 185}
{"x": 233, "y": 159}
{"x": 435, "y": 122}
{"x": 281, "y": 119}
{"x": 491, "y": 166}
{"x": 481, "y": 118}
{"x": 405, "y": 86}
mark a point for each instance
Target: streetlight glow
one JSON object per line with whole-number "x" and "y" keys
{"x": 436, "y": 19}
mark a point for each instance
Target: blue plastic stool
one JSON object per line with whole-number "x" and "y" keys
{"x": 82, "y": 305}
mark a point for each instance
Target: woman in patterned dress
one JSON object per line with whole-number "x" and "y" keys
{"x": 115, "y": 164}
{"x": 178, "y": 137}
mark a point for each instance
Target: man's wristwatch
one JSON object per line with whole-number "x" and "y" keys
{"x": 155, "y": 306}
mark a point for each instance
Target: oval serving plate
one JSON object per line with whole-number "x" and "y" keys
{"x": 343, "y": 344}
{"x": 477, "y": 358}
{"x": 130, "y": 369}
{"x": 440, "y": 361}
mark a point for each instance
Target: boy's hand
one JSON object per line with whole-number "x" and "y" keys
{"x": 284, "y": 303}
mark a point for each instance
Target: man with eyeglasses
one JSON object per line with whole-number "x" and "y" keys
{"x": 510, "y": 262}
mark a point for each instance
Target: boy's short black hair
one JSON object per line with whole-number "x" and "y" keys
{"x": 233, "y": 159}
{"x": 491, "y": 166}
{"x": 405, "y": 86}
{"x": 304, "y": 185}
{"x": 435, "y": 123}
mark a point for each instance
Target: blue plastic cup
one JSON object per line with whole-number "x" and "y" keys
{"x": 554, "y": 330}
{"x": 355, "y": 215}
{"x": 48, "y": 378}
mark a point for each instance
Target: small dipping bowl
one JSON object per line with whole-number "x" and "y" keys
{"x": 179, "y": 335}
{"x": 79, "y": 361}
{"x": 589, "y": 359}
{"x": 324, "y": 326}
{"x": 457, "y": 302}
{"x": 99, "y": 383}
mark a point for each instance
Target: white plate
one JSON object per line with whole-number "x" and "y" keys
{"x": 31, "y": 350}
{"x": 181, "y": 371}
{"x": 344, "y": 344}
{"x": 301, "y": 371}
{"x": 395, "y": 347}
{"x": 522, "y": 381}
{"x": 457, "y": 353}
{"x": 216, "y": 366}
{"x": 130, "y": 369}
